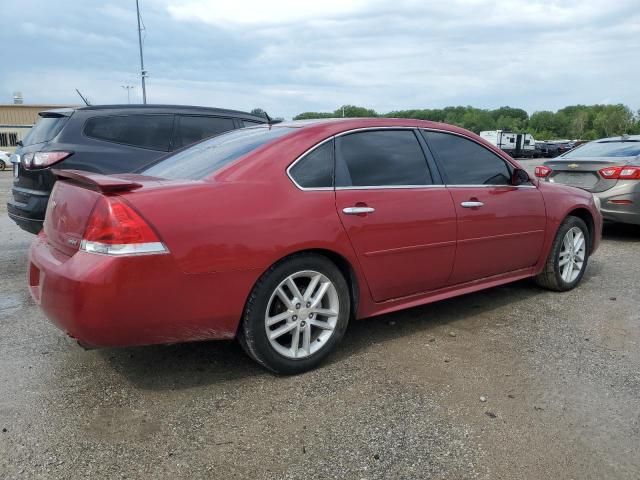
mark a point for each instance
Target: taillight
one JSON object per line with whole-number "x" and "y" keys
{"x": 620, "y": 173}
{"x": 115, "y": 228}
{"x": 542, "y": 171}
{"x": 43, "y": 159}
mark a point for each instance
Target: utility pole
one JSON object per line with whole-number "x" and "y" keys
{"x": 143, "y": 72}
{"x": 128, "y": 88}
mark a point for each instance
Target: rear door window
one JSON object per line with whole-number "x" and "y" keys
{"x": 191, "y": 128}
{"x": 145, "y": 131}
{"x": 464, "y": 162}
{"x": 381, "y": 158}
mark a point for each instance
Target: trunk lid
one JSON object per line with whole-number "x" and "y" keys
{"x": 583, "y": 172}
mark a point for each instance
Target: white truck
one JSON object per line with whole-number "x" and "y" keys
{"x": 515, "y": 144}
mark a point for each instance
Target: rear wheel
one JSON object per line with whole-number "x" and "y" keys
{"x": 2, "y": 165}
{"x": 568, "y": 258}
{"x": 296, "y": 314}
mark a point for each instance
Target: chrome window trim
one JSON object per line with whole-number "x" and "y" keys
{"x": 392, "y": 187}
{"x": 303, "y": 155}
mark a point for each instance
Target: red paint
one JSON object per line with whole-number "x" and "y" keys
{"x": 223, "y": 232}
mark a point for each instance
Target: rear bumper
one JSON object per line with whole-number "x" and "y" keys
{"x": 613, "y": 212}
{"x": 104, "y": 301}
{"x": 27, "y": 208}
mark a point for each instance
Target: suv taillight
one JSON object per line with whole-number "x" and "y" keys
{"x": 542, "y": 171}
{"x": 42, "y": 159}
{"x": 620, "y": 173}
{"x": 115, "y": 228}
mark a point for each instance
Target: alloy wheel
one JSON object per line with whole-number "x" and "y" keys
{"x": 572, "y": 254}
{"x": 302, "y": 314}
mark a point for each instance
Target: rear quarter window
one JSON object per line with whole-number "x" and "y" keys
{"x": 204, "y": 158}
{"x": 44, "y": 130}
{"x": 145, "y": 131}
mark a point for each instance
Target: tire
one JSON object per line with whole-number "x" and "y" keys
{"x": 2, "y": 165}
{"x": 319, "y": 327}
{"x": 556, "y": 276}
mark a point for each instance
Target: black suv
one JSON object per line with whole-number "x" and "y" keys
{"x": 105, "y": 139}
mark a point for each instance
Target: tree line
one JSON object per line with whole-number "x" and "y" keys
{"x": 586, "y": 122}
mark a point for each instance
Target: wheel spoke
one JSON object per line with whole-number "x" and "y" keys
{"x": 282, "y": 295}
{"x": 278, "y": 318}
{"x": 577, "y": 240}
{"x": 321, "y": 291}
{"x": 325, "y": 312}
{"x": 320, "y": 324}
{"x": 313, "y": 284}
{"x": 294, "y": 289}
{"x": 306, "y": 339}
{"x": 278, "y": 332}
{"x": 295, "y": 341}
{"x": 564, "y": 260}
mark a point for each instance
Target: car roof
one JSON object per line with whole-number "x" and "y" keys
{"x": 620, "y": 138}
{"x": 185, "y": 109}
{"x": 338, "y": 125}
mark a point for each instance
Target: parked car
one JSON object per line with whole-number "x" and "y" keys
{"x": 609, "y": 168}
{"x": 4, "y": 159}
{"x": 279, "y": 235}
{"x": 106, "y": 139}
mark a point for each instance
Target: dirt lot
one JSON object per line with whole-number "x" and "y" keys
{"x": 559, "y": 373}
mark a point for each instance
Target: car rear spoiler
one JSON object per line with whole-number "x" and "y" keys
{"x": 96, "y": 181}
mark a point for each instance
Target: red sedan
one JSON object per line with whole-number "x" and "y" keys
{"x": 279, "y": 235}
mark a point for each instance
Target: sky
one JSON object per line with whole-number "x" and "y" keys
{"x": 292, "y": 56}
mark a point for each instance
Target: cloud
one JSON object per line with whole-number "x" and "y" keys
{"x": 292, "y": 56}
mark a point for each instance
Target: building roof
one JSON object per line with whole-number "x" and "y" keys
{"x": 24, "y": 114}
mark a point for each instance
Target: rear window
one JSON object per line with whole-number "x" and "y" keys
{"x": 44, "y": 130}
{"x": 202, "y": 159}
{"x": 144, "y": 131}
{"x": 622, "y": 148}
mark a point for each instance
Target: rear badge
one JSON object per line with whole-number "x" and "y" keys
{"x": 72, "y": 241}
{"x": 573, "y": 165}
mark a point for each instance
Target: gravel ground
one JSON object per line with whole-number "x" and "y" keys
{"x": 402, "y": 398}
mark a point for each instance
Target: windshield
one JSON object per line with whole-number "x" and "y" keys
{"x": 204, "y": 158}
{"x": 44, "y": 130}
{"x": 616, "y": 148}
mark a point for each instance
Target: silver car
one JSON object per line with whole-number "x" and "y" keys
{"x": 609, "y": 168}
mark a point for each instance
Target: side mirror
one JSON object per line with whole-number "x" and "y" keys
{"x": 519, "y": 177}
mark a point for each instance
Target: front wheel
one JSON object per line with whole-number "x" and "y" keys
{"x": 296, "y": 314}
{"x": 568, "y": 258}
{"x": 2, "y": 165}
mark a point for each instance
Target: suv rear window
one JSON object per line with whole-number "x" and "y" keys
{"x": 45, "y": 129}
{"x": 145, "y": 131}
{"x": 202, "y": 159}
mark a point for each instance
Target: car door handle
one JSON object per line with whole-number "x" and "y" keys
{"x": 358, "y": 210}
{"x": 474, "y": 204}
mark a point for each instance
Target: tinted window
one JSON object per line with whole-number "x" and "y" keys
{"x": 204, "y": 158}
{"x": 381, "y": 158}
{"x": 630, "y": 148}
{"x": 192, "y": 129}
{"x": 249, "y": 123}
{"x": 146, "y": 131}
{"x": 315, "y": 170}
{"x": 467, "y": 163}
{"x": 44, "y": 130}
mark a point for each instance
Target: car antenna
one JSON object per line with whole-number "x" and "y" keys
{"x": 269, "y": 119}
{"x": 86, "y": 102}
